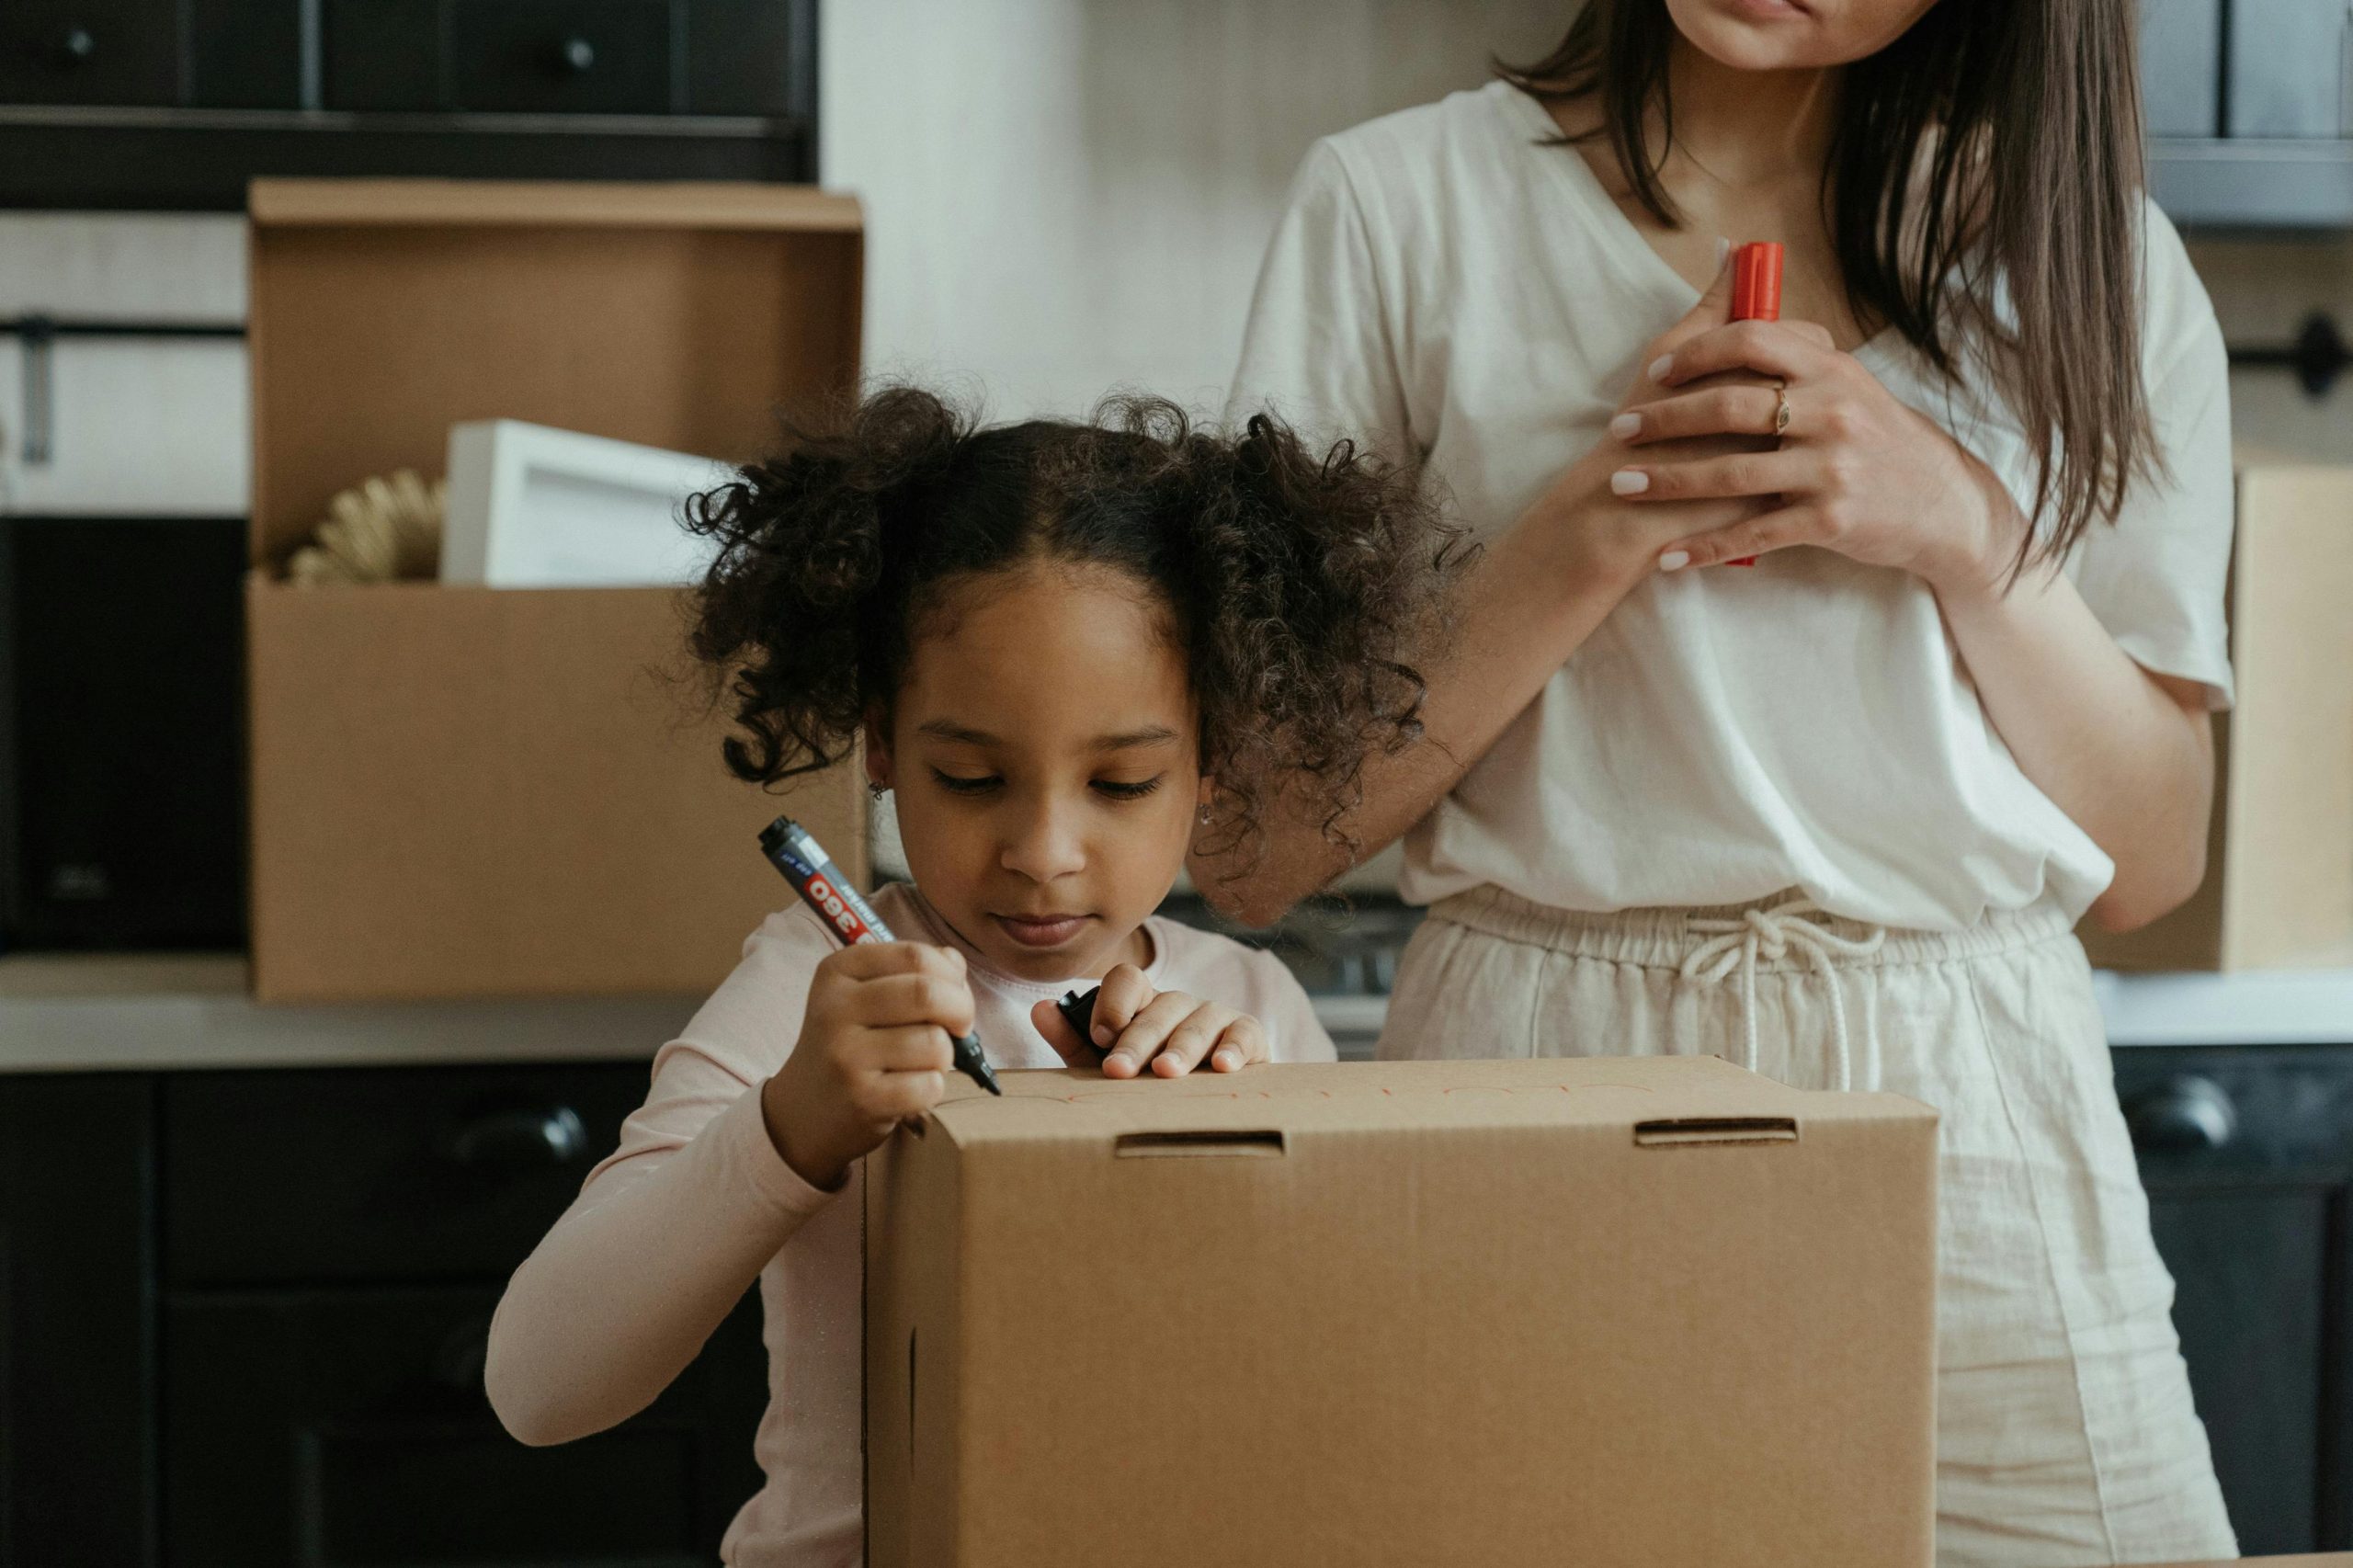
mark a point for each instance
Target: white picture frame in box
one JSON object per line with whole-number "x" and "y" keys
{"x": 532, "y": 506}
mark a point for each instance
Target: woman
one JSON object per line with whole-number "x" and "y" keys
{"x": 1833, "y": 815}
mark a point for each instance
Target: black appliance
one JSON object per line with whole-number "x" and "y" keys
{"x": 121, "y": 733}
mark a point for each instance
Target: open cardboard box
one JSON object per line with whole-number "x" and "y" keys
{"x": 465, "y": 792}
{"x": 2279, "y": 887}
{"x": 1649, "y": 1312}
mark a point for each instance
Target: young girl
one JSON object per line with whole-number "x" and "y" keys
{"x": 1069, "y": 649}
{"x": 1834, "y": 814}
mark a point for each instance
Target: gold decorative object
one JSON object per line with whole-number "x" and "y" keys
{"x": 384, "y": 529}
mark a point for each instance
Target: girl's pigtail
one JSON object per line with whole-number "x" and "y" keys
{"x": 786, "y": 617}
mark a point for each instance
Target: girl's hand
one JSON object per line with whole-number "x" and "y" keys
{"x": 1168, "y": 1029}
{"x": 875, "y": 1049}
{"x": 1856, "y": 471}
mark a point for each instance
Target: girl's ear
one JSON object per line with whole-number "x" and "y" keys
{"x": 877, "y": 751}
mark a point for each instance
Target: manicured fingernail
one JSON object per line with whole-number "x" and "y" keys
{"x": 1661, "y": 365}
{"x": 1103, "y": 1035}
{"x": 1118, "y": 1059}
{"x": 1227, "y": 1060}
{"x": 1675, "y": 561}
{"x": 1724, "y": 251}
{"x": 1630, "y": 482}
{"x": 1626, "y": 426}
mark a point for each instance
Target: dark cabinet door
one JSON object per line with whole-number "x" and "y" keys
{"x": 246, "y": 53}
{"x": 77, "y": 1450}
{"x": 305, "y": 1429}
{"x": 2248, "y": 1155}
{"x": 752, "y": 57}
{"x": 90, "y": 51}
{"x": 337, "y": 1176}
{"x": 562, "y": 56}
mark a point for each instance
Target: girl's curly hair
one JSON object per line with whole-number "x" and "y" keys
{"x": 1298, "y": 585}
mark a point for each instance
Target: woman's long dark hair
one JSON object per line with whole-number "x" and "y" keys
{"x": 1994, "y": 145}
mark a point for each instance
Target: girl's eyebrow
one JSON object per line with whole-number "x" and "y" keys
{"x": 949, "y": 730}
{"x": 1150, "y": 736}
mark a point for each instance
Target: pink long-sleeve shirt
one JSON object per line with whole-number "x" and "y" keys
{"x": 669, "y": 1229}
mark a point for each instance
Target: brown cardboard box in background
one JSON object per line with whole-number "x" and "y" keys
{"x": 1642, "y": 1312}
{"x": 2278, "y": 888}
{"x": 461, "y": 791}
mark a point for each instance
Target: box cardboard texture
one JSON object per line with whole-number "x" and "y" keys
{"x": 463, "y": 792}
{"x": 2279, "y": 887}
{"x": 1627, "y": 1312}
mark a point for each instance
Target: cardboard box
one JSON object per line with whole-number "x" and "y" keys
{"x": 463, "y": 792}
{"x": 1642, "y": 1312}
{"x": 2278, "y": 888}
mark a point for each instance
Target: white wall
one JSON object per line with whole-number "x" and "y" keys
{"x": 1066, "y": 195}
{"x": 136, "y": 427}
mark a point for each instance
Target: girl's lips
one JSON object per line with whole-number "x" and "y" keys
{"x": 1040, "y": 931}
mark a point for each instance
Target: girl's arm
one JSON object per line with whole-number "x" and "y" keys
{"x": 719, "y": 1167}
{"x": 664, "y": 1239}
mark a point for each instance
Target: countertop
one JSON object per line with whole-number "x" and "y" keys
{"x": 146, "y": 1011}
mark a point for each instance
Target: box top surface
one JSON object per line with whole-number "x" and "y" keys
{"x": 362, "y": 203}
{"x": 1619, "y": 1092}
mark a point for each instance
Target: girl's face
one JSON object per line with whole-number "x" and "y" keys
{"x": 1783, "y": 35}
{"x": 1045, "y": 758}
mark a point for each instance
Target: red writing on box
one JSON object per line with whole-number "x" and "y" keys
{"x": 845, "y": 918}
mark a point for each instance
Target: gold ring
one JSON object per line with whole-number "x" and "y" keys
{"x": 1781, "y": 408}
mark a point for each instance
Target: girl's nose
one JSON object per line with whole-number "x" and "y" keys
{"x": 1043, "y": 846}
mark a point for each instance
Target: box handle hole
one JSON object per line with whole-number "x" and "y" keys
{"x": 1692, "y": 1129}
{"x": 1204, "y": 1145}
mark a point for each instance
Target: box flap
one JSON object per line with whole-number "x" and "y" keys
{"x": 584, "y": 203}
{"x": 384, "y": 312}
{"x": 1674, "y": 1100}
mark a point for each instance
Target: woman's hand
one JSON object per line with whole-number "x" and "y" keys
{"x": 1168, "y": 1029}
{"x": 875, "y": 1049}
{"x": 1856, "y": 471}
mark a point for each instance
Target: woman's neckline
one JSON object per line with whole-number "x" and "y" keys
{"x": 1617, "y": 229}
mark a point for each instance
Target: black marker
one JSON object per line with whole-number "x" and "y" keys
{"x": 791, "y": 850}
{"x": 1077, "y": 1009}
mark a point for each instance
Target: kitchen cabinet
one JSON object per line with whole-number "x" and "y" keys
{"x": 2248, "y": 1155}
{"x": 77, "y": 1351}
{"x": 244, "y": 1315}
{"x": 179, "y": 104}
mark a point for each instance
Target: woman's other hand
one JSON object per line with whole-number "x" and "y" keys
{"x": 1615, "y": 540}
{"x": 1854, "y": 470}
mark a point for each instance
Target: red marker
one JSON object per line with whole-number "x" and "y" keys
{"x": 1755, "y": 296}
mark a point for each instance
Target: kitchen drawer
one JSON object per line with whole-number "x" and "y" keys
{"x": 561, "y": 56}
{"x": 369, "y": 1174}
{"x": 350, "y": 1426}
{"x": 382, "y": 55}
{"x": 245, "y": 54}
{"x": 2247, "y": 1156}
{"x": 752, "y": 57}
{"x": 89, "y": 52}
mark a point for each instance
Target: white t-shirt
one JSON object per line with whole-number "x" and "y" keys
{"x": 1448, "y": 284}
{"x": 667, "y": 1230}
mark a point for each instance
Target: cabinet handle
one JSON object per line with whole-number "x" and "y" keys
{"x": 2184, "y": 1115}
{"x": 521, "y": 1140}
{"x": 78, "y": 46}
{"x": 577, "y": 55}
